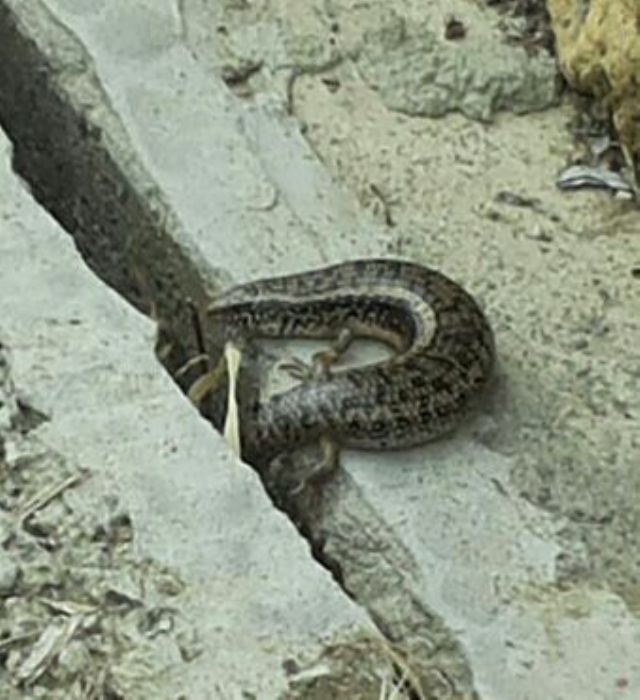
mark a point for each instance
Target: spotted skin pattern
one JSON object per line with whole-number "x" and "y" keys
{"x": 415, "y": 396}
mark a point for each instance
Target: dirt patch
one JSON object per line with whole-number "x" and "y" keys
{"x": 81, "y": 615}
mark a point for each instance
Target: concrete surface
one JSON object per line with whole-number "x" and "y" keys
{"x": 219, "y": 594}
{"x": 501, "y": 563}
{"x": 399, "y": 51}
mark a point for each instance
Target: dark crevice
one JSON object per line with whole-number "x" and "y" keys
{"x": 62, "y": 157}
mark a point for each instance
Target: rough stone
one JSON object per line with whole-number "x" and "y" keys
{"x": 252, "y": 595}
{"x": 421, "y": 74}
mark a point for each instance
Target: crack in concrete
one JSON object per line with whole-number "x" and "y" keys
{"x": 60, "y": 151}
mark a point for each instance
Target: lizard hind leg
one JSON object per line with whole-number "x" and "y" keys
{"x": 324, "y": 469}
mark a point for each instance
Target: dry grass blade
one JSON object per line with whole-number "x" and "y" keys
{"x": 207, "y": 383}
{"x": 398, "y": 689}
{"x": 193, "y": 362}
{"x": 44, "y": 497}
{"x": 233, "y": 357}
{"x": 69, "y": 608}
{"x": 46, "y": 649}
{"x": 229, "y": 364}
{"x": 409, "y": 676}
{"x": 16, "y": 639}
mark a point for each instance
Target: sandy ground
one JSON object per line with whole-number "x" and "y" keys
{"x": 557, "y": 271}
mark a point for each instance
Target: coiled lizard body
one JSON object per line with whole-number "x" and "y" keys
{"x": 415, "y": 396}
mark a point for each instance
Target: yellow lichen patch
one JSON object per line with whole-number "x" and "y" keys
{"x": 598, "y": 45}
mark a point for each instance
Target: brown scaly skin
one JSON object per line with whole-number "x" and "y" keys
{"x": 417, "y": 395}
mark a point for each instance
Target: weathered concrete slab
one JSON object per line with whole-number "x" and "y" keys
{"x": 83, "y": 358}
{"x": 244, "y": 183}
